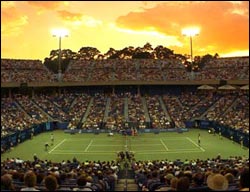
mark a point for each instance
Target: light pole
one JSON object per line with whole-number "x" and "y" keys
{"x": 60, "y": 33}
{"x": 191, "y": 32}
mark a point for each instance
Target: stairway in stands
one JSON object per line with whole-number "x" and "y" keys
{"x": 106, "y": 113}
{"x": 164, "y": 108}
{"x": 126, "y": 109}
{"x": 85, "y": 115}
{"x": 145, "y": 108}
{"x": 126, "y": 181}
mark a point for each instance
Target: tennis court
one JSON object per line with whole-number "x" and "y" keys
{"x": 147, "y": 146}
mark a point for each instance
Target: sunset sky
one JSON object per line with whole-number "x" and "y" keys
{"x": 26, "y": 26}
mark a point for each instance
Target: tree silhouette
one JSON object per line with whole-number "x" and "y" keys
{"x": 130, "y": 52}
{"x": 89, "y": 53}
{"x": 163, "y": 52}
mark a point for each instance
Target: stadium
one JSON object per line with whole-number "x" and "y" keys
{"x": 154, "y": 115}
{"x": 131, "y": 119}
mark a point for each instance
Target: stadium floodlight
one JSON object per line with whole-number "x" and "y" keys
{"x": 191, "y": 32}
{"x": 59, "y": 33}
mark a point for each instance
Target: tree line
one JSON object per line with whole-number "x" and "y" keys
{"x": 130, "y": 52}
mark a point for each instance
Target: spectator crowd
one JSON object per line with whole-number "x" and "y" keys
{"x": 84, "y": 110}
{"x": 16, "y": 70}
{"x": 112, "y": 111}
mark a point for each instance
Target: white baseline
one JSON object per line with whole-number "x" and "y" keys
{"x": 195, "y": 144}
{"x": 86, "y": 149}
{"x": 164, "y": 145}
{"x": 57, "y": 145}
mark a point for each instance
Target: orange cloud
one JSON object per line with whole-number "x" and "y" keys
{"x": 7, "y": 4}
{"x": 45, "y": 4}
{"x": 12, "y": 20}
{"x": 224, "y": 25}
{"x": 78, "y": 19}
{"x": 68, "y": 16}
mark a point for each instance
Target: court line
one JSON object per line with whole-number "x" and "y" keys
{"x": 82, "y": 153}
{"x": 81, "y": 139}
{"x": 114, "y": 152}
{"x": 126, "y": 145}
{"x": 132, "y": 139}
{"x": 168, "y": 152}
{"x": 86, "y": 149}
{"x": 195, "y": 144}
{"x": 164, "y": 145}
{"x": 166, "y": 138}
{"x": 72, "y": 152}
{"x": 123, "y": 145}
{"x": 57, "y": 145}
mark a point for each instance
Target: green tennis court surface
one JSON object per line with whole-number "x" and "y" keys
{"x": 147, "y": 146}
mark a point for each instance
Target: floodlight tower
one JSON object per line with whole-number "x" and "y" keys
{"x": 59, "y": 33}
{"x": 191, "y": 32}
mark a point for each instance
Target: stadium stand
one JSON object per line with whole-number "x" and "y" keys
{"x": 161, "y": 105}
{"x": 17, "y": 70}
